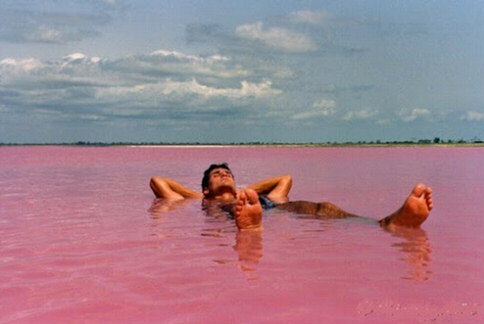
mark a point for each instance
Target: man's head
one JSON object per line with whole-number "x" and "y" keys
{"x": 217, "y": 179}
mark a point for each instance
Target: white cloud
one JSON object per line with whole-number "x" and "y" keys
{"x": 310, "y": 17}
{"x": 414, "y": 114}
{"x": 181, "y": 89}
{"x": 155, "y": 85}
{"x": 363, "y": 114}
{"x": 384, "y": 122}
{"x": 181, "y": 56}
{"x": 324, "y": 103}
{"x": 321, "y": 108}
{"x": 74, "y": 57}
{"x": 277, "y": 37}
{"x": 92, "y": 117}
{"x": 78, "y": 59}
{"x": 473, "y": 116}
{"x": 128, "y": 70}
{"x": 46, "y": 34}
{"x": 49, "y": 22}
{"x": 23, "y": 65}
{"x": 247, "y": 89}
{"x": 164, "y": 62}
{"x": 180, "y": 63}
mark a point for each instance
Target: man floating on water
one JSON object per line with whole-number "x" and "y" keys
{"x": 246, "y": 205}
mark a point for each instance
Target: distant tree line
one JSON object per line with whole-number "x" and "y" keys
{"x": 436, "y": 140}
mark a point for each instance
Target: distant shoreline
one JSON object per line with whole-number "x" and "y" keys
{"x": 215, "y": 145}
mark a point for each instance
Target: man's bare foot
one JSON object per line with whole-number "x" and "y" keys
{"x": 247, "y": 210}
{"x": 414, "y": 211}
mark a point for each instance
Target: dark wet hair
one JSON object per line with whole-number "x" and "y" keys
{"x": 206, "y": 174}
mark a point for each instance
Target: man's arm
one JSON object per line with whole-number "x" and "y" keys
{"x": 172, "y": 190}
{"x": 276, "y": 188}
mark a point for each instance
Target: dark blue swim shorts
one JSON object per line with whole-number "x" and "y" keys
{"x": 266, "y": 203}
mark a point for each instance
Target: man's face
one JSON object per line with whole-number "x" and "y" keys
{"x": 220, "y": 180}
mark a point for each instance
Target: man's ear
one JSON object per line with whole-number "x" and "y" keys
{"x": 205, "y": 192}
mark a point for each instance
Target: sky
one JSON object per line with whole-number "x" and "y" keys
{"x": 240, "y": 71}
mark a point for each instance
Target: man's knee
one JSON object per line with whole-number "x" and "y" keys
{"x": 327, "y": 209}
{"x": 153, "y": 182}
{"x": 324, "y": 208}
{"x": 157, "y": 184}
{"x": 287, "y": 180}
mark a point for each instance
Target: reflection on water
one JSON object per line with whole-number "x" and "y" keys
{"x": 248, "y": 245}
{"x": 416, "y": 250}
{"x": 77, "y": 243}
{"x": 160, "y": 206}
{"x": 414, "y": 245}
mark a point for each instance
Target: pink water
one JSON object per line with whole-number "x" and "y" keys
{"x": 82, "y": 242}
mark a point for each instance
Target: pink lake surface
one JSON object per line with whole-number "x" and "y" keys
{"x": 82, "y": 239}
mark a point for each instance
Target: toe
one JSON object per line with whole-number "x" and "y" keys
{"x": 419, "y": 189}
{"x": 242, "y": 198}
{"x": 252, "y": 196}
{"x": 428, "y": 198}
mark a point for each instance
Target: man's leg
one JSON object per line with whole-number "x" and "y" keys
{"x": 413, "y": 213}
{"x": 320, "y": 210}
